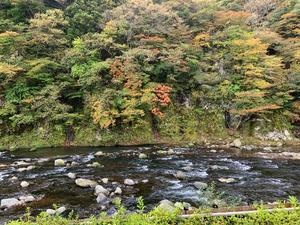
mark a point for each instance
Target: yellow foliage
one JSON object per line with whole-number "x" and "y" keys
{"x": 253, "y": 94}
{"x": 201, "y": 40}
{"x": 259, "y": 109}
{"x": 9, "y": 34}
{"x": 101, "y": 116}
{"x": 251, "y": 47}
{"x": 262, "y": 84}
{"x": 9, "y": 70}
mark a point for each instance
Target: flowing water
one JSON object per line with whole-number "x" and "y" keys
{"x": 256, "y": 178}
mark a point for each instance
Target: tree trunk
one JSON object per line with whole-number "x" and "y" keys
{"x": 154, "y": 127}
{"x": 70, "y": 135}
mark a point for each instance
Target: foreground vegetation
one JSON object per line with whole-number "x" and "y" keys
{"x": 262, "y": 217}
{"x": 173, "y": 69}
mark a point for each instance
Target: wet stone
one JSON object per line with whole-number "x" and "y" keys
{"x": 129, "y": 182}
{"x": 85, "y": 183}
{"x": 59, "y": 162}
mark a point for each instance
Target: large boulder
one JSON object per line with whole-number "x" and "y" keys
{"x": 85, "y": 183}
{"x": 10, "y": 202}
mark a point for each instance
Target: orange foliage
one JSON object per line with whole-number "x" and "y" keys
{"x": 162, "y": 93}
{"x": 117, "y": 69}
{"x": 157, "y": 112}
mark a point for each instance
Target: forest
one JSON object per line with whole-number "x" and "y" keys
{"x": 88, "y": 72}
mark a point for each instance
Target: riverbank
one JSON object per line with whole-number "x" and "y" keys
{"x": 143, "y": 135}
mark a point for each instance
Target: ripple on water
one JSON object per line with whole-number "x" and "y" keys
{"x": 236, "y": 165}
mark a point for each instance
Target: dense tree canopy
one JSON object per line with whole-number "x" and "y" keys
{"x": 114, "y": 63}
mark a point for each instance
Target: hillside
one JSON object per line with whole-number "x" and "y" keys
{"x": 102, "y": 72}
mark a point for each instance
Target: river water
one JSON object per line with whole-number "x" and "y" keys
{"x": 256, "y": 178}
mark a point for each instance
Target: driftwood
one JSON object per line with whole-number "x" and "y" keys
{"x": 234, "y": 213}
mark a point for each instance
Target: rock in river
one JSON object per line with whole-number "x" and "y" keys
{"x": 180, "y": 175}
{"x": 71, "y": 175}
{"x": 101, "y": 199}
{"x": 227, "y": 180}
{"x": 59, "y": 162}
{"x": 128, "y": 182}
{"x": 142, "y": 156}
{"x": 28, "y": 198}
{"x": 9, "y": 202}
{"x": 104, "y": 180}
{"x": 99, "y": 153}
{"x": 100, "y": 189}
{"x": 24, "y": 184}
{"x": 85, "y": 182}
{"x": 200, "y": 185}
{"x": 118, "y": 191}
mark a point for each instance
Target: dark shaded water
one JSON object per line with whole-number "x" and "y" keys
{"x": 256, "y": 178}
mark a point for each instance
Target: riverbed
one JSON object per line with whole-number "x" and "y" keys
{"x": 166, "y": 173}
